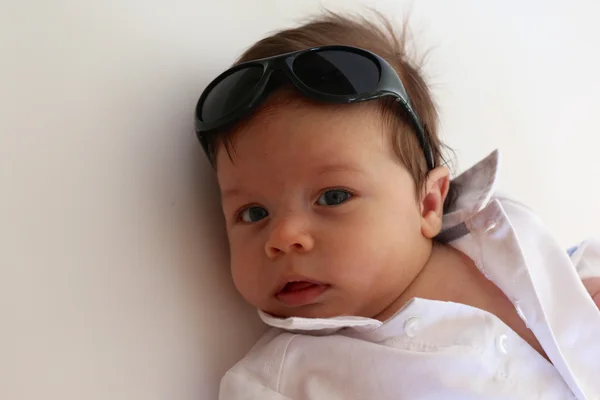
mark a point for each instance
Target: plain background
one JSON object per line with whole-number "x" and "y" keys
{"x": 113, "y": 262}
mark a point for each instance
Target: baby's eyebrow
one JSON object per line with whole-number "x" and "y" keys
{"x": 232, "y": 192}
{"x": 321, "y": 170}
{"x": 339, "y": 168}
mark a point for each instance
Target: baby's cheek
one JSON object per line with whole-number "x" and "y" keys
{"x": 246, "y": 279}
{"x": 360, "y": 267}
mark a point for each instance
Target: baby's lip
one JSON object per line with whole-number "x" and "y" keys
{"x": 294, "y": 278}
{"x": 298, "y": 294}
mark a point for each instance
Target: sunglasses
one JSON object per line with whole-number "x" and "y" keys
{"x": 335, "y": 74}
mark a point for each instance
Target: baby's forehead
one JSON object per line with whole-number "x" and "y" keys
{"x": 303, "y": 140}
{"x": 290, "y": 102}
{"x": 286, "y": 110}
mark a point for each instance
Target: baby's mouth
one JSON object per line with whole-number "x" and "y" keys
{"x": 299, "y": 293}
{"x": 297, "y": 286}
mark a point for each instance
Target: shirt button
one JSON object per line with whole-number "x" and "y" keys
{"x": 412, "y": 326}
{"x": 501, "y": 343}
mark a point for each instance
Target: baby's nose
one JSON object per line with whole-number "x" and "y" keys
{"x": 289, "y": 235}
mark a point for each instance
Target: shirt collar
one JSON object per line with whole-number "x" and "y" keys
{"x": 320, "y": 326}
{"x": 475, "y": 188}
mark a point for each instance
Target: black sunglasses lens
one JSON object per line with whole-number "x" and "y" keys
{"x": 230, "y": 93}
{"x": 337, "y": 72}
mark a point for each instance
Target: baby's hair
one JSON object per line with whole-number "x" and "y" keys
{"x": 381, "y": 38}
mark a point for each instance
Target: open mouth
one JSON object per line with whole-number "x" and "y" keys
{"x": 297, "y": 286}
{"x": 298, "y": 293}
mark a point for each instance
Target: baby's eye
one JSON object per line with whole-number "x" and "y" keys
{"x": 253, "y": 214}
{"x": 333, "y": 197}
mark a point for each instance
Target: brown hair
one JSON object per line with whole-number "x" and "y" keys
{"x": 382, "y": 39}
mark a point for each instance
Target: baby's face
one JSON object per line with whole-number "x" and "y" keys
{"x": 322, "y": 218}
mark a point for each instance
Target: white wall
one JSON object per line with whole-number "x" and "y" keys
{"x": 113, "y": 263}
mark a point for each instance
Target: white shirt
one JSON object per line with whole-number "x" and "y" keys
{"x": 442, "y": 350}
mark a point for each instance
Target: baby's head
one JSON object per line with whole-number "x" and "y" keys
{"x": 331, "y": 209}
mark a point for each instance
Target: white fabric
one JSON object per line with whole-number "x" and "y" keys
{"x": 443, "y": 350}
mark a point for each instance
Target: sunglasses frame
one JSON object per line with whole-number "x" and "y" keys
{"x": 389, "y": 85}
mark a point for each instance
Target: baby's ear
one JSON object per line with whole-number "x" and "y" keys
{"x": 433, "y": 195}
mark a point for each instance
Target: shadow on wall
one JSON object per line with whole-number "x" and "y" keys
{"x": 228, "y": 327}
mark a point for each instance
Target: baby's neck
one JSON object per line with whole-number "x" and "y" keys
{"x": 448, "y": 275}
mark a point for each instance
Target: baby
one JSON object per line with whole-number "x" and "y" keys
{"x": 381, "y": 277}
